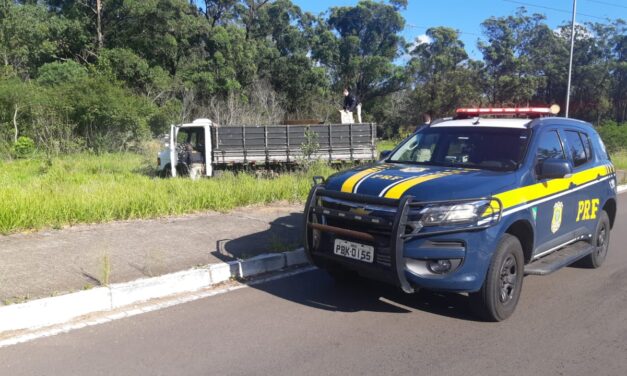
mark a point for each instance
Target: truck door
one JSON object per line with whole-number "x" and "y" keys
{"x": 552, "y": 215}
{"x": 173, "y": 155}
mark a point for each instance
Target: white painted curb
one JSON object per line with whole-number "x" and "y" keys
{"x": 54, "y": 310}
{"x": 621, "y": 188}
{"x": 60, "y": 309}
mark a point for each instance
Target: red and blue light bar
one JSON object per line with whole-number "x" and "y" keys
{"x": 508, "y": 111}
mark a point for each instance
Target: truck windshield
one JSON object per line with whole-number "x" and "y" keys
{"x": 500, "y": 149}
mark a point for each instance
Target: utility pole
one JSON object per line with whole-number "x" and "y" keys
{"x": 570, "y": 62}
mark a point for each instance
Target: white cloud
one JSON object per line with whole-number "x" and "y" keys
{"x": 422, "y": 39}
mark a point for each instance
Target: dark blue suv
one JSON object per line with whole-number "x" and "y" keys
{"x": 470, "y": 205}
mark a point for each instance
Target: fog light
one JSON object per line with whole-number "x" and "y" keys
{"x": 439, "y": 266}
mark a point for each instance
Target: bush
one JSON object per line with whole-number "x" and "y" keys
{"x": 614, "y": 135}
{"x": 24, "y": 147}
{"x": 60, "y": 73}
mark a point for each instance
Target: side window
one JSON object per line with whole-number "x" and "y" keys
{"x": 576, "y": 148}
{"x": 604, "y": 154}
{"x": 550, "y": 147}
{"x": 587, "y": 145}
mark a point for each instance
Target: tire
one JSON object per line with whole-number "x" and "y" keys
{"x": 601, "y": 241}
{"x": 166, "y": 172}
{"x": 501, "y": 289}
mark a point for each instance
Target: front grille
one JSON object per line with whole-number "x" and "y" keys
{"x": 376, "y": 220}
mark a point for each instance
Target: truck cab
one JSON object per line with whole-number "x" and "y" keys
{"x": 188, "y": 150}
{"x": 470, "y": 204}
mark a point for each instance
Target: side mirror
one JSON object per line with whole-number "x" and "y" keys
{"x": 384, "y": 154}
{"x": 553, "y": 169}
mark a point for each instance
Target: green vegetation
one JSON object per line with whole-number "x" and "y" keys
{"x": 86, "y": 188}
{"x": 83, "y": 78}
{"x": 383, "y": 145}
{"x": 620, "y": 159}
{"x": 76, "y": 76}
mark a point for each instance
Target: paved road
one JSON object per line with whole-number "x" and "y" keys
{"x": 573, "y": 322}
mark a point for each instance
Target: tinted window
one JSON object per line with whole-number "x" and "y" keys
{"x": 604, "y": 154}
{"x": 550, "y": 147}
{"x": 576, "y": 148}
{"x": 488, "y": 148}
{"x": 587, "y": 145}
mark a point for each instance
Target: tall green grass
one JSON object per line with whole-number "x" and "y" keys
{"x": 619, "y": 159}
{"x": 90, "y": 189}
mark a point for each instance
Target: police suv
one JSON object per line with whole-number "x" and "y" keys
{"x": 470, "y": 204}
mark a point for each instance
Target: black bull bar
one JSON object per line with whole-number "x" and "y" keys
{"x": 395, "y": 229}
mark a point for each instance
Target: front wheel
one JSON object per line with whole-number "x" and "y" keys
{"x": 601, "y": 242}
{"x": 501, "y": 289}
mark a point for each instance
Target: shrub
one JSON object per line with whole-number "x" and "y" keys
{"x": 24, "y": 147}
{"x": 614, "y": 135}
{"x": 60, "y": 73}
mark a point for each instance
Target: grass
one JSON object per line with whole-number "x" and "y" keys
{"x": 86, "y": 188}
{"x": 619, "y": 159}
{"x": 386, "y": 144}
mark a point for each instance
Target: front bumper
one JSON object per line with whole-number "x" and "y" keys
{"x": 399, "y": 248}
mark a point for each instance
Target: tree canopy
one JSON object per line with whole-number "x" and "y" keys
{"x": 107, "y": 74}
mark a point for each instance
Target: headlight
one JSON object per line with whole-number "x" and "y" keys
{"x": 453, "y": 214}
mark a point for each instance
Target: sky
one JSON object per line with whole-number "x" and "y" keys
{"x": 467, "y": 15}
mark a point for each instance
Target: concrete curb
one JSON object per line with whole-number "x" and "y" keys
{"x": 621, "y": 188}
{"x": 60, "y": 309}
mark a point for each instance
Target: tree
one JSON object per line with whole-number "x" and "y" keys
{"x": 359, "y": 47}
{"x": 220, "y": 11}
{"x": 25, "y": 37}
{"x": 443, "y": 76}
{"x": 508, "y": 70}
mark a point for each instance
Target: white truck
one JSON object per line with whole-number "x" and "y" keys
{"x": 200, "y": 148}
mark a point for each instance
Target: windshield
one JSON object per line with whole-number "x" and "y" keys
{"x": 485, "y": 148}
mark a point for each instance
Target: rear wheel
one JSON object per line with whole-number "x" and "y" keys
{"x": 601, "y": 242}
{"x": 500, "y": 292}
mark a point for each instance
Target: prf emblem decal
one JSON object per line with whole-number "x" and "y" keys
{"x": 587, "y": 209}
{"x": 556, "y": 222}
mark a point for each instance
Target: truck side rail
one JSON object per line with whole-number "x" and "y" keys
{"x": 284, "y": 143}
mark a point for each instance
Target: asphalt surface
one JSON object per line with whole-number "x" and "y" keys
{"x": 573, "y": 322}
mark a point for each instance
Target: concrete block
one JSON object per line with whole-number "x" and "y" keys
{"x": 297, "y": 257}
{"x": 223, "y": 272}
{"x": 144, "y": 289}
{"x": 54, "y": 310}
{"x": 261, "y": 264}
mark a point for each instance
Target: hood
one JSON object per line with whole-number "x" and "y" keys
{"x": 426, "y": 183}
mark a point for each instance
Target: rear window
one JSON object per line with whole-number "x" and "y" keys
{"x": 578, "y": 149}
{"x": 550, "y": 147}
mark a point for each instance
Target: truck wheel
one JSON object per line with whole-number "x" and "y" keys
{"x": 166, "y": 172}
{"x": 601, "y": 241}
{"x": 500, "y": 292}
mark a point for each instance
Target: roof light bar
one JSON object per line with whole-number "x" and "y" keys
{"x": 508, "y": 111}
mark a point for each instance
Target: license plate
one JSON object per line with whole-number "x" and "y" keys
{"x": 353, "y": 250}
